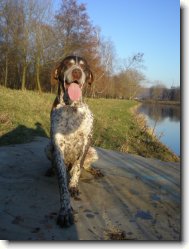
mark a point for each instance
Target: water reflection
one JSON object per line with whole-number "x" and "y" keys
{"x": 165, "y": 123}
{"x": 160, "y": 112}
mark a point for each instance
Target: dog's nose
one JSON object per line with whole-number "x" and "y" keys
{"x": 76, "y": 73}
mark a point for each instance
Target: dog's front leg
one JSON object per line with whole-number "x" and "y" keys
{"x": 65, "y": 217}
{"x": 74, "y": 179}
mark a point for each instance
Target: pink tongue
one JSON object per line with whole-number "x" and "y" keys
{"x": 74, "y": 92}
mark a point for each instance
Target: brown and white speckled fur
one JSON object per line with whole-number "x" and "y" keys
{"x": 70, "y": 151}
{"x": 71, "y": 131}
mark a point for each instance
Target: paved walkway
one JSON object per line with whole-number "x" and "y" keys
{"x": 137, "y": 199}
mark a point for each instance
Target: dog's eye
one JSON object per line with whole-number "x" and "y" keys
{"x": 82, "y": 64}
{"x": 70, "y": 63}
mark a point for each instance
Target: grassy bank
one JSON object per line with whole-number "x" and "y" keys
{"x": 118, "y": 127}
{"x": 25, "y": 114}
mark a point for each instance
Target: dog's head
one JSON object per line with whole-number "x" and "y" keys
{"x": 71, "y": 74}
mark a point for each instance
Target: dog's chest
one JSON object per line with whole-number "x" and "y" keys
{"x": 72, "y": 127}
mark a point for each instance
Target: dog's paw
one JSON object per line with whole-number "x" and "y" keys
{"x": 98, "y": 173}
{"x": 95, "y": 172}
{"x": 74, "y": 191}
{"x": 65, "y": 219}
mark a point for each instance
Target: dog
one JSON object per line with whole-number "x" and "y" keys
{"x": 71, "y": 132}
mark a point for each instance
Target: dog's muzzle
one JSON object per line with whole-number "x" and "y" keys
{"x": 74, "y": 74}
{"x": 74, "y": 78}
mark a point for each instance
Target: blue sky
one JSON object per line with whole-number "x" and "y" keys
{"x": 148, "y": 26}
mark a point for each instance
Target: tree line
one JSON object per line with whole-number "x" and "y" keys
{"x": 33, "y": 39}
{"x": 160, "y": 92}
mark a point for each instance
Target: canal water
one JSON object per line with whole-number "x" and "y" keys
{"x": 165, "y": 120}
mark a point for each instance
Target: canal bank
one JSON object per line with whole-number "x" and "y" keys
{"x": 164, "y": 121}
{"x": 119, "y": 127}
{"x": 146, "y": 142}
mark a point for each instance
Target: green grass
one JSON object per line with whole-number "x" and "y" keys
{"x": 26, "y": 114}
{"x": 23, "y": 114}
{"x": 112, "y": 122}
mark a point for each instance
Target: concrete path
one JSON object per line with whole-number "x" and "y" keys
{"x": 137, "y": 199}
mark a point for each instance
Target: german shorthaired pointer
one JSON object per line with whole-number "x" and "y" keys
{"x": 71, "y": 132}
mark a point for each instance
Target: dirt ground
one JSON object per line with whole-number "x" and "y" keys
{"x": 137, "y": 199}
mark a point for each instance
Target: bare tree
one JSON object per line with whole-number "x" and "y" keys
{"x": 128, "y": 79}
{"x": 157, "y": 91}
{"x": 106, "y": 52}
{"x": 8, "y": 36}
{"x": 31, "y": 43}
{"x": 133, "y": 62}
{"x": 75, "y": 34}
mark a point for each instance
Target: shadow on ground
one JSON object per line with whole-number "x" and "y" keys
{"x": 30, "y": 200}
{"x": 22, "y": 134}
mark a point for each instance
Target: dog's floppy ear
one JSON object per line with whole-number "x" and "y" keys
{"x": 90, "y": 77}
{"x": 55, "y": 74}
